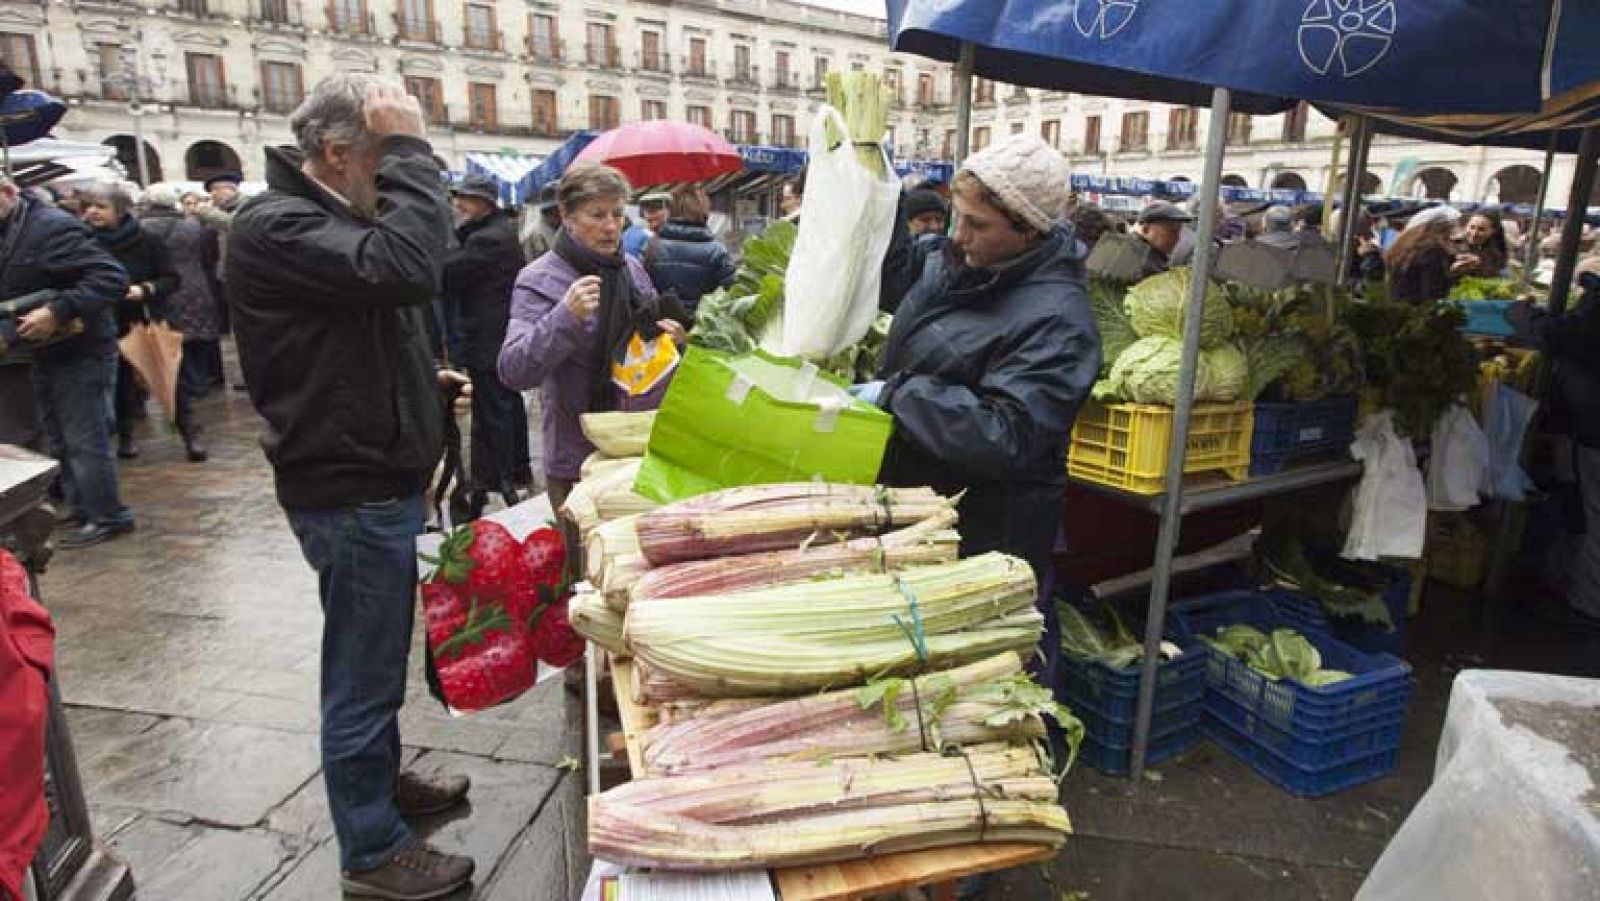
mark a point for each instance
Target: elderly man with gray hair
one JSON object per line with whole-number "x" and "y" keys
{"x": 331, "y": 271}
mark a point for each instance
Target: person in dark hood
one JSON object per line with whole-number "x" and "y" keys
{"x": 478, "y": 276}
{"x": 152, "y": 279}
{"x": 990, "y": 357}
{"x": 925, "y": 213}
{"x": 926, "y": 218}
{"x": 191, "y": 309}
{"x": 1089, "y": 222}
{"x": 685, "y": 257}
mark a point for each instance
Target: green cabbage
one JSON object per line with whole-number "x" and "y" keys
{"x": 1107, "y": 298}
{"x": 1156, "y": 308}
{"x": 1230, "y": 374}
{"x": 1147, "y": 373}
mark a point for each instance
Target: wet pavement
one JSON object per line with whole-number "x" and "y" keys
{"x": 188, "y": 659}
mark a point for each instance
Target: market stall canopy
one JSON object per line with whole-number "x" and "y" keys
{"x": 28, "y": 115}
{"x": 663, "y": 150}
{"x": 1385, "y": 53}
{"x": 1564, "y": 117}
{"x": 549, "y": 171}
{"x": 506, "y": 170}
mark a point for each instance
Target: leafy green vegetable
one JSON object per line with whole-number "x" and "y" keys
{"x": 1156, "y": 307}
{"x": 1282, "y": 553}
{"x": 1107, "y": 298}
{"x": 1021, "y": 697}
{"x": 1325, "y": 677}
{"x": 1147, "y": 373}
{"x": 1286, "y": 654}
{"x": 1417, "y": 358}
{"x": 1478, "y": 288}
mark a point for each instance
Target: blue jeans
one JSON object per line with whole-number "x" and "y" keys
{"x": 74, "y": 398}
{"x": 366, "y": 563}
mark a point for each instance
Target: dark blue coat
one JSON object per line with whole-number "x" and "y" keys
{"x": 985, "y": 371}
{"x": 55, "y": 251}
{"x": 688, "y": 259}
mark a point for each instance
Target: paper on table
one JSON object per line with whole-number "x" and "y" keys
{"x": 746, "y": 886}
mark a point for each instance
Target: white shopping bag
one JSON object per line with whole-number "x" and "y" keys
{"x": 847, "y": 218}
{"x": 1390, "y": 518}
{"x": 1458, "y": 471}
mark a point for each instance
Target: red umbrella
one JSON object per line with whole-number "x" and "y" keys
{"x": 660, "y": 150}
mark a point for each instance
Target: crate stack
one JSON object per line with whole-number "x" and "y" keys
{"x": 1308, "y": 741}
{"x": 1105, "y": 698}
{"x": 1285, "y": 432}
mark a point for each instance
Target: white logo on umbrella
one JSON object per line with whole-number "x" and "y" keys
{"x": 1346, "y": 36}
{"x": 1103, "y": 18}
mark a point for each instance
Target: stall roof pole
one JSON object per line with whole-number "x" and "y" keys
{"x": 964, "y": 64}
{"x": 1577, "y": 208}
{"x": 1360, "y": 145}
{"x": 1530, "y": 257}
{"x": 1172, "y": 501}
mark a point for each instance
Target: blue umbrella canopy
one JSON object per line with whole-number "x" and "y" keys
{"x": 1405, "y": 55}
{"x": 28, "y": 115}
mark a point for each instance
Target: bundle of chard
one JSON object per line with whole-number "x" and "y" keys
{"x": 652, "y": 688}
{"x": 787, "y": 814}
{"x": 605, "y": 496}
{"x": 969, "y": 705}
{"x": 611, "y": 546}
{"x": 596, "y": 621}
{"x": 840, "y": 631}
{"x": 929, "y": 541}
{"x": 778, "y": 517}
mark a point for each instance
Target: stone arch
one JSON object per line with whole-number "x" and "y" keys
{"x": 1288, "y": 181}
{"x": 1433, "y": 183}
{"x": 204, "y": 159}
{"x": 1516, "y": 184}
{"x": 1180, "y": 178}
{"x": 1370, "y": 184}
{"x": 128, "y": 158}
{"x": 1234, "y": 180}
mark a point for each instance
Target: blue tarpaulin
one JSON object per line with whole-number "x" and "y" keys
{"x": 506, "y": 170}
{"x": 549, "y": 171}
{"x": 1404, "y": 55}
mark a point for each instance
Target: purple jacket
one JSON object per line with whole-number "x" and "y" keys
{"x": 547, "y": 347}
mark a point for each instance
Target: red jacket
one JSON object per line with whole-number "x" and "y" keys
{"x": 26, "y": 647}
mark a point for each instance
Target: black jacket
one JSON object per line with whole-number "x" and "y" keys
{"x": 1426, "y": 280}
{"x": 331, "y": 317}
{"x": 687, "y": 259}
{"x": 143, "y": 254}
{"x": 985, "y": 371}
{"x": 478, "y": 276}
{"x": 1573, "y": 343}
{"x": 52, "y": 250}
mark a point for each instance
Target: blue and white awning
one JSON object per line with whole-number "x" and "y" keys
{"x": 507, "y": 170}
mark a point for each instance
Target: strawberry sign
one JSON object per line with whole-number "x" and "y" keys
{"x": 494, "y": 609}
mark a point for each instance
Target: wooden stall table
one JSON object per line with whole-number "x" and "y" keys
{"x": 851, "y": 880}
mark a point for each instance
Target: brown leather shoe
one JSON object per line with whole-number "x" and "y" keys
{"x": 418, "y": 795}
{"x": 417, "y": 872}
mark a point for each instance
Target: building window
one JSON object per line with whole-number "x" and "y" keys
{"x": 17, "y": 50}
{"x": 1183, "y": 128}
{"x": 1091, "y": 134}
{"x": 192, "y": 7}
{"x": 1050, "y": 131}
{"x": 983, "y": 91}
{"x": 858, "y": 66}
{"x": 1239, "y": 127}
{"x": 601, "y": 50}
{"x": 1294, "y": 123}
{"x": 744, "y": 127}
{"x": 108, "y": 58}
{"x": 542, "y": 41}
{"x": 605, "y": 113}
{"x": 948, "y": 150}
{"x": 698, "y": 115}
{"x": 1017, "y": 127}
{"x": 782, "y": 75}
{"x": 980, "y": 138}
{"x": 483, "y": 113}
{"x": 891, "y": 80}
{"x": 651, "y": 59}
{"x": 652, "y": 110}
{"x": 276, "y": 12}
{"x": 349, "y": 17}
{"x": 783, "y": 130}
{"x": 430, "y": 96}
{"x": 1135, "y": 132}
{"x": 417, "y": 22}
{"x": 819, "y": 72}
{"x": 483, "y": 32}
{"x": 544, "y": 113}
{"x": 206, "y": 85}
{"x": 742, "y": 70}
{"x": 697, "y": 57}
{"x": 281, "y": 87}
{"x": 925, "y": 89}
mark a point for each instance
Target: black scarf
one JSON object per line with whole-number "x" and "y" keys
{"x": 622, "y": 312}
{"x": 111, "y": 238}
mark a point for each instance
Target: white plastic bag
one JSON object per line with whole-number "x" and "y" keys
{"x": 1390, "y": 517}
{"x": 1458, "y": 473}
{"x": 847, "y": 218}
{"x": 1506, "y": 416}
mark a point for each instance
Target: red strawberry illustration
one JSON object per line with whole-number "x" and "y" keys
{"x": 553, "y": 639}
{"x": 481, "y": 555}
{"x": 487, "y": 662}
{"x": 444, "y": 610}
{"x": 542, "y": 575}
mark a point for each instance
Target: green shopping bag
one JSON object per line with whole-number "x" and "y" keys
{"x": 756, "y": 419}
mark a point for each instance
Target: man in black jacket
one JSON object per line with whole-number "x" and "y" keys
{"x": 478, "y": 276}
{"x": 45, "y": 249}
{"x": 331, "y": 272}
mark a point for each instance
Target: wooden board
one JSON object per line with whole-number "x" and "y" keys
{"x": 851, "y": 880}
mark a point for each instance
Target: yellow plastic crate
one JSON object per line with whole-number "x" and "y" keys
{"x": 1125, "y": 445}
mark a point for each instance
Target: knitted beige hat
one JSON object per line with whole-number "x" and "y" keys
{"x": 1031, "y": 178}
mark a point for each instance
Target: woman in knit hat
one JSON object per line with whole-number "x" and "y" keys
{"x": 992, "y": 352}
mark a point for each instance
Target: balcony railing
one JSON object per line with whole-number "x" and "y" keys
{"x": 745, "y": 76}
{"x": 422, "y": 31}
{"x": 657, "y": 62}
{"x": 606, "y": 56}
{"x": 786, "y": 81}
{"x": 702, "y": 68}
{"x": 347, "y": 20}
{"x": 277, "y": 13}
{"x": 212, "y": 96}
{"x": 484, "y": 39}
{"x": 779, "y": 139}
{"x": 546, "y": 49}
{"x": 742, "y": 136}
{"x": 1133, "y": 145}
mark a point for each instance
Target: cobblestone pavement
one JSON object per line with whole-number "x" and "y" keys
{"x": 187, "y": 656}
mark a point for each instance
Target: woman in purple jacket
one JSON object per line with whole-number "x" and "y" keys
{"x": 587, "y": 326}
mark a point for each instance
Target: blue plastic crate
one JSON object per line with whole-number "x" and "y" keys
{"x": 1378, "y": 678}
{"x": 1114, "y": 693}
{"x": 1316, "y": 748}
{"x": 1168, "y": 739}
{"x": 1284, "y": 431}
{"x": 1119, "y": 733}
{"x": 1361, "y": 635}
{"x": 1487, "y": 317}
{"x": 1306, "y": 782}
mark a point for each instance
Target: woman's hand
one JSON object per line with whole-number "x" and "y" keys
{"x": 674, "y": 328}
{"x": 1465, "y": 262}
{"x": 583, "y": 297}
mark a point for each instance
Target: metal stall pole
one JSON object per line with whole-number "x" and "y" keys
{"x": 963, "y": 98}
{"x": 1572, "y": 230}
{"x": 1360, "y": 146}
{"x": 1530, "y": 255}
{"x": 1172, "y": 501}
